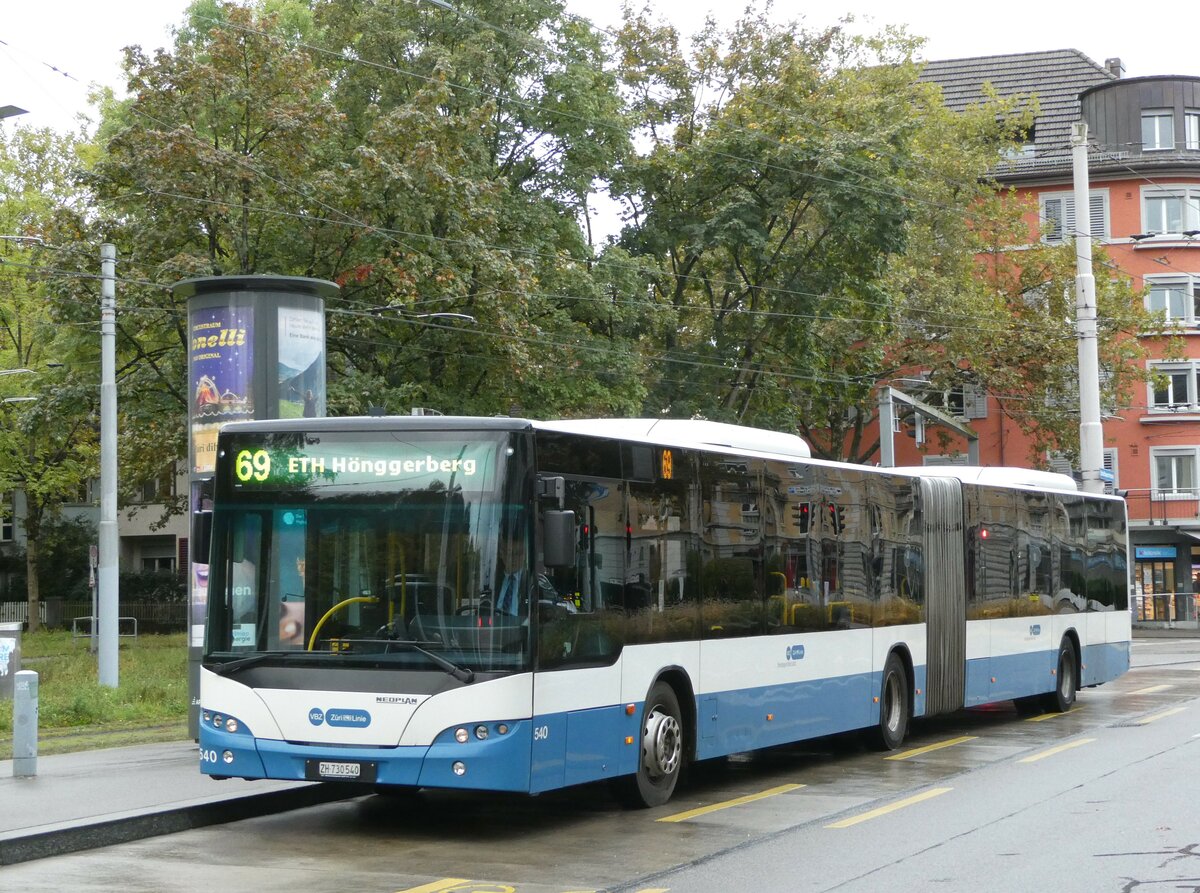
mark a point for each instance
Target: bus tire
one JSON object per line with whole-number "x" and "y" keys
{"x": 1066, "y": 680}
{"x": 894, "y": 706}
{"x": 662, "y": 751}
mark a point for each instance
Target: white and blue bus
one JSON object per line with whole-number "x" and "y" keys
{"x": 515, "y": 605}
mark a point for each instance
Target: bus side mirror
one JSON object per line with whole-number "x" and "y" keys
{"x": 201, "y": 537}
{"x": 558, "y": 539}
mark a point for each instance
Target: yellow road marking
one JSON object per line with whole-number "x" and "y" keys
{"x": 1163, "y": 715}
{"x": 1151, "y": 689}
{"x": 1052, "y": 751}
{"x": 929, "y": 748}
{"x": 461, "y": 885}
{"x": 1045, "y": 716}
{"x": 891, "y": 807}
{"x": 749, "y": 798}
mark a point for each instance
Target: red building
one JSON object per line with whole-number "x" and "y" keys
{"x": 1144, "y": 171}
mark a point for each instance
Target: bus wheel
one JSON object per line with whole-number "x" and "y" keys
{"x": 1063, "y": 696}
{"x": 661, "y": 752}
{"x": 893, "y": 706}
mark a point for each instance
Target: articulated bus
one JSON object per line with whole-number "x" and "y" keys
{"x": 512, "y": 605}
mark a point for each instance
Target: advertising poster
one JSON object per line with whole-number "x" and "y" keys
{"x": 221, "y": 363}
{"x": 301, "y": 363}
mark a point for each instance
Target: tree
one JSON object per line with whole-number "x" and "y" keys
{"x": 477, "y": 137}
{"x": 48, "y": 431}
{"x": 813, "y": 221}
{"x": 426, "y": 161}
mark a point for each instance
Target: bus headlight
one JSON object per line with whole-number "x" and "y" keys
{"x": 481, "y": 732}
{"x": 459, "y": 767}
{"x": 231, "y": 725}
{"x": 227, "y": 756}
{"x": 461, "y": 736}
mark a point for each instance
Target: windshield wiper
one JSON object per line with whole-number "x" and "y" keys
{"x": 232, "y": 666}
{"x": 462, "y": 674}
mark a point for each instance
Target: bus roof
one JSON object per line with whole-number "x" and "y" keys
{"x": 993, "y": 476}
{"x": 685, "y": 432}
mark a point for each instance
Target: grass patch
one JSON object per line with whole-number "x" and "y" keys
{"x": 75, "y": 712}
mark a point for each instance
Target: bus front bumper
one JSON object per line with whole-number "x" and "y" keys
{"x": 499, "y": 762}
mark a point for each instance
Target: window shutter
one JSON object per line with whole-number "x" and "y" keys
{"x": 1054, "y": 214}
{"x": 1060, "y": 463}
{"x": 1110, "y": 465}
{"x": 975, "y": 402}
{"x": 1059, "y": 212}
{"x": 1099, "y": 218}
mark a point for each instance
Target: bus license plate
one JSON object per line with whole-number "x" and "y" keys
{"x": 329, "y": 770}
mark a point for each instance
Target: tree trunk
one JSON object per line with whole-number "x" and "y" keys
{"x": 31, "y": 583}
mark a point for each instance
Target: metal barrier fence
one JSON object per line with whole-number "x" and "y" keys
{"x": 1163, "y": 506}
{"x": 147, "y": 617}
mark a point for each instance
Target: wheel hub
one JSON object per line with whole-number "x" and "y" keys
{"x": 662, "y": 743}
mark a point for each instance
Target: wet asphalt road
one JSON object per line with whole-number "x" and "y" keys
{"x": 1102, "y": 798}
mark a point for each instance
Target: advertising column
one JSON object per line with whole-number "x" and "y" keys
{"x": 256, "y": 351}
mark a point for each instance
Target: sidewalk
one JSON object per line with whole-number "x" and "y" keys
{"x": 102, "y": 797}
{"x": 1166, "y": 633}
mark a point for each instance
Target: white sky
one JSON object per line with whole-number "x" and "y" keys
{"x": 83, "y": 39}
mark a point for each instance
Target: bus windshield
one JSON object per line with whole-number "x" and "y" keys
{"x": 369, "y": 549}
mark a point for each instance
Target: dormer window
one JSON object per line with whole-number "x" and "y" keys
{"x": 1025, "y": 147}
{"x": 1158, "y": 130}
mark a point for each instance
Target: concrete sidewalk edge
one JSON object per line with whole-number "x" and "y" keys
{"x": 26, "y": 846}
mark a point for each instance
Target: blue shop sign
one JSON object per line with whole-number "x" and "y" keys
{"x": 1154, "y": 552}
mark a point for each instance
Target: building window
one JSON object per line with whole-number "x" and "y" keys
{"x": 1191, "y": 129}
{"x": 1176, "y": 298}
{"x": 1174, "y": 471}
{"x": 1026, "y": 145}
{"x": 1174, "y": 389}
{"x": 1170, "y": 209}
{"x": 160, "y": 488}
{"x": 1058, "y": 215}
{"x": 1158, "y": 130}
{"x": 159, "y": 563}
{"x": 6, "y": 518}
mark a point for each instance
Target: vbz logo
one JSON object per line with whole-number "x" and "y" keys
{"x": 795, "y": 652}
{"x": 316, "y": 716}
{"x": 1035, "y": 629}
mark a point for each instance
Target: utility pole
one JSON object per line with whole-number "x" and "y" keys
{"x": 1091, "y": 432}
{"x": 108, "y": 578}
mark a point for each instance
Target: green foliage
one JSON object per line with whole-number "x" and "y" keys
{"x": 152, "y": 675}
{"x": 156, "y": 587}
{"x": 804, "y": 219}
{"x": 47, "y": 438}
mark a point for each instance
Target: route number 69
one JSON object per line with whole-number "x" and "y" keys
{"x": 252, "y": 465}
